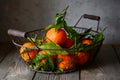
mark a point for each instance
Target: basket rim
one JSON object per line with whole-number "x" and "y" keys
{"x": 20, "y": 45}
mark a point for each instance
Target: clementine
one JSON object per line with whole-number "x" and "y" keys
{"x": 58, "y": 36}
{"x": 66, "y": 62}
{"x": 87, "y": 41}
{"x": 82, "y": 58}
{"x": 43, "y": 61}
{"x": 28, "y": 54}
{"x": 68, "y": 43}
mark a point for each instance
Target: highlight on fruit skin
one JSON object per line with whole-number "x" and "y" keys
{"x": 87, "y": 41}
{"x": 27, "y": 54}
{"x": 65, "y": 62}
{"x": 57, "y": 36}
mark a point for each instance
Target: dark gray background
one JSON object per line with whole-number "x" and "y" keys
{"x": 26, "y": 15}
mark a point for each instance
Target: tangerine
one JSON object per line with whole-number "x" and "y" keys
{"x": 87, "y": 41}
{"x": 28, "y": 54}
{"x": 82, "y": 58}
{"x": 66, "y": 62}
{"x": 43, "y": 61}
{"x": 68, "y": 43}
{"x": 57, "y": 36}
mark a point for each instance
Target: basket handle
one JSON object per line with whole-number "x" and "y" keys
{"x": 17, "y": 33}
{"x": 91, "y": 17}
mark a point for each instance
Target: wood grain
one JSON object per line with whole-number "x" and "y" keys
{"x": 106, "y": 66}
{"x": 67, "y": 76}
{"x": 13, "y": 68}
{"x": 117, "y": 51}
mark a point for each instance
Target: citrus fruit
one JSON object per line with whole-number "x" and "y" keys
{"x": 65, "y": 62}
{"x": 68, "y": 43}
{"x": 43, "y": 61}
{"x": 56, "y": 36}
{"x": 27, "y": 54}
{"x": 87, "y": 41}
{"x": 82, "y": 58}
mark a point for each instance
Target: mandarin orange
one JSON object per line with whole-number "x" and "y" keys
{"x": 87, "y": 41}
{"x": 82, "y": 58}
{"x": 68, "y": 43}
{"x": 66, "y": 62}
{"x": 28, "y": 54}
{"x": 56, "y": 36}
{"x": 43, "y": 61}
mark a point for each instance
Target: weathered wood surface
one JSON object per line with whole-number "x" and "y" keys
{"x": 105, "y": 67}
{"x": 13, "y": 67}
{"x": 117, "y": 51}
{"x": 69, "y": 76}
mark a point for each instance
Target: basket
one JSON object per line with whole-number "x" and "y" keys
{"x": 18, "y": 38}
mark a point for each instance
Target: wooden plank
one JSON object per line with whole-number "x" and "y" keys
{"x": 117, "y": 51}
{"x": 106, "y": 66}
{"x": 67, "y": 76}
{"x": 13, "y": 68}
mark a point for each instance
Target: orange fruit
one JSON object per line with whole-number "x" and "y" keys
{"x": 82, "y": 58}
{"x": 58, "y": 37}
{"x": 66, "y": 62}
{"x": 30, "y": 54}
{"x": 87, "y": 41}
{"x": 43, "y": 61}
{"x": 68, "y": 43}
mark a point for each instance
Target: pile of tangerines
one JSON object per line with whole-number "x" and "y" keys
{"x": 60, "y": 49}
{"x": 66, "y": 61}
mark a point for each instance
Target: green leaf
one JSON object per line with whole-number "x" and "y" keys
{"x": 71, "y": 32}
{"x": 59, "y": 59}
{"x": 99, "y": 37}
{"x": 49, "y": 65}
{"x": 27, "y": 49}
{"x": 48, "y": 27}
{"x": 58, "y": 26}
{"x": 38, "y": 58}
{"x": 59, "y": 19}
{"x": 59, "y": 70}
{"x": 52, "y": 49}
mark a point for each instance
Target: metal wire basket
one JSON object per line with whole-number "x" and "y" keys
{"x": 18, "y": 38}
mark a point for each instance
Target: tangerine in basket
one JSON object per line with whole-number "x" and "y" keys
{"x": 82, "y": 58}
{"x": 56, "y": 36}
{"x": 27, "y": 54}
{"x": 43, "y": 61}
{"x": 65, "y": 62}
{"x": 68, "y": 43}
{"x": 87, "y": 41}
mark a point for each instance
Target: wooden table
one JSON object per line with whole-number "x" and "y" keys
{"x": 105, "y": 67}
